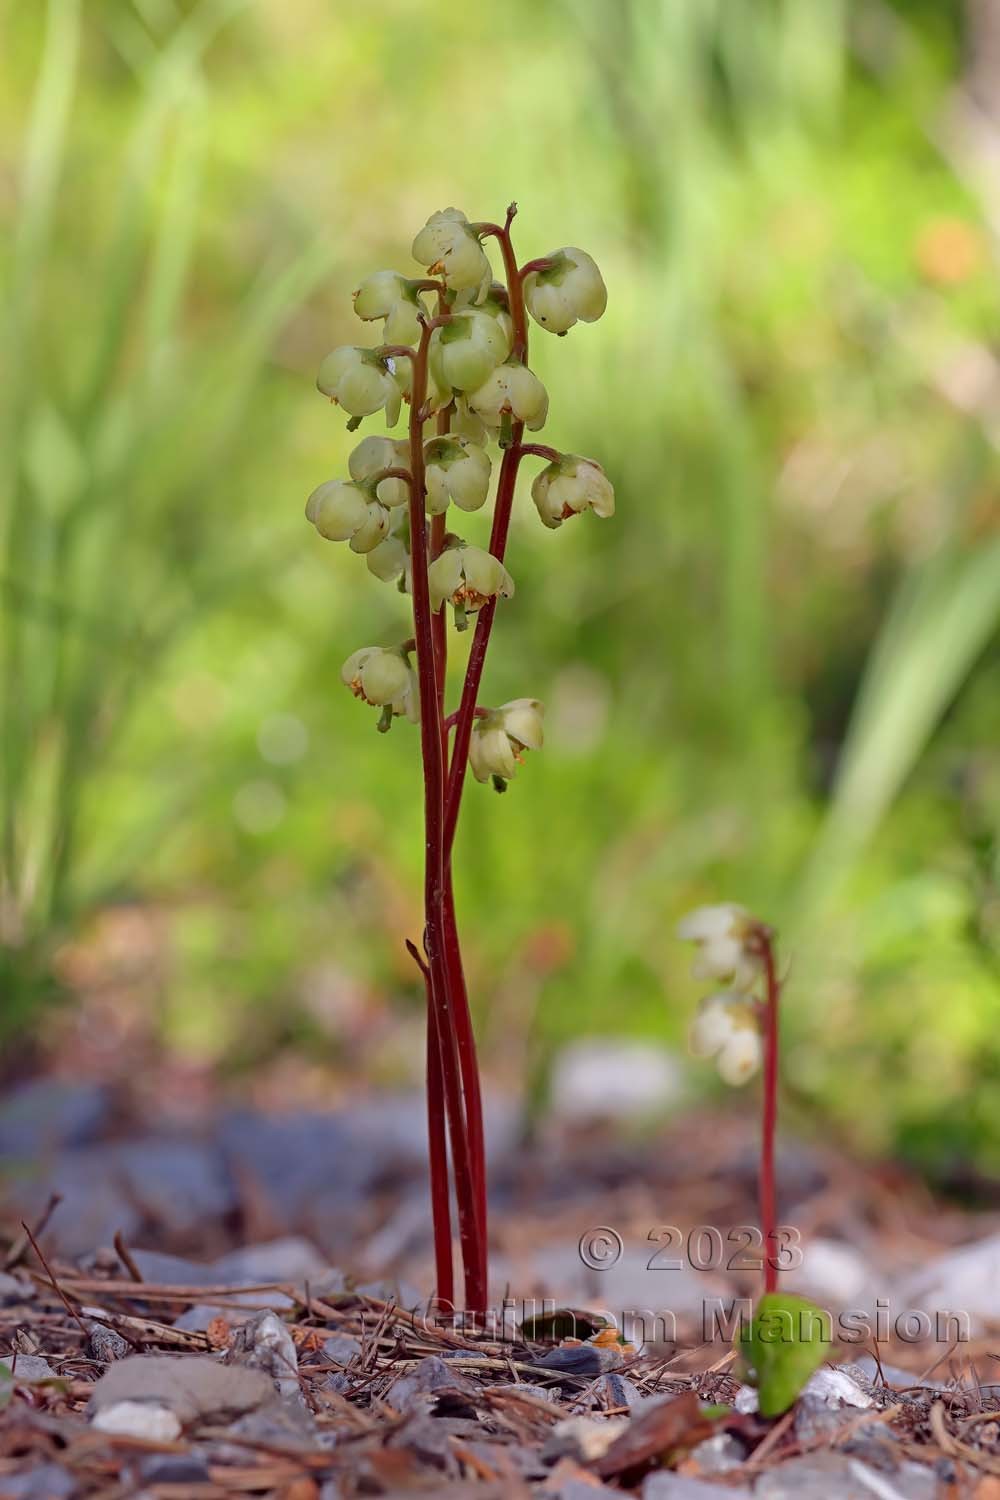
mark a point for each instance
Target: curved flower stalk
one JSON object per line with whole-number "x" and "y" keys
{"x": 740, "y": 1029}
{"x": 466, "y": 366}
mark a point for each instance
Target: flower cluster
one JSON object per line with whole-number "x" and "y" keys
{"x": 727, "y": 1026}
{"x": 476, "y": 379}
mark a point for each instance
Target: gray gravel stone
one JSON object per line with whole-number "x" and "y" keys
{"x": 264, "y": 1343}
{"x": 193, "y": 1386}
{"x": 46, "y": 1482}
{"x": 839, "y": 1476}
{"x": 26, "y": 1369}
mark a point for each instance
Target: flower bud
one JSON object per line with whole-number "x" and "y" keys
{"x": 570, "y": 288}
{"x": 467, "y": 577}
{"x": 569, "y": 486}
{"x": 722, "y": 934}
{"x": 360, "y": 381}
{"x": 448, "y": 244}
{"x": 386, "y": 294}
{"x": 383, "y": 678}
{"x": 501, "y": 737}
{"x": 726, "y": 1028}
{"x": 343, "y": 512}
{"x": 467, "y": 349}
{"x": 375, "y": 453}
{"x": 455, "y": 470}
{"x": 741, "y": 1056}
{"x": 515, "y": 389}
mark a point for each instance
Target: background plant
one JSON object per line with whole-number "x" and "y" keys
{"x": 797, "y": 391}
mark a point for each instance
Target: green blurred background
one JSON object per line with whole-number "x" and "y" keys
{"x": 772, "y": 678}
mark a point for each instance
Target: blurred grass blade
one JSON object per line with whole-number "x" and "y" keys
{"x": 940, "y": 622}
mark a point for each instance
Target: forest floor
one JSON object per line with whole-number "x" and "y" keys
{"x": 239, "y": 1306}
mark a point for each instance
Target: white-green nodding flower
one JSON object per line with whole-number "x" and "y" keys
{"x": 570, "y": 485}
{"x": 456, "y": 470}
{"x": 511, "y": 389}
{"x": 374, "y": 454}
{"x": 466, "y": 349}
{"x": 388, "y": 295}
{"x": 496, "y": 304}
{"x": 383, "y": 678}
{"x": 436, "y": 396}
{"x": 465, "y": 424}
{"x": 343, "y": 512}
{"x": 727, "y": 1029}
{"x": 391, "y": 562}
{"x": 741, "y": 1057}
{"x": 569, "y": 289}
{"x": 723, "y": 936}
{"x": 467, "y": 577}
{"x": 361, "y": 381}
{"x": 500, "y": 738}
{"x": 449, "y": 246}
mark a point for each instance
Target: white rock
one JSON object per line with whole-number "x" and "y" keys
{"x": 962, "y": 1281}
{"x": 829, "y": 1386}
{"x": 582, "y": 1438}
{"x": 602, "y": 1078}
{"x": 835, "y": 1388}
{"x": 141, "y": 1419}
{"x": 831, "y": 1273}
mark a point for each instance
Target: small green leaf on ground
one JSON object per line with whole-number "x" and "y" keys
{"x": 786, "y": 1341}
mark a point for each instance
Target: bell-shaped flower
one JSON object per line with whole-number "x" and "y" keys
{"x": 448, "y": 245}
{"x": 384, "y": 678}
{"x": 467, "y": 577}
{"x": 386, "y": 294}
{"x": 741, "y": 1057}
{"x": 514, "y": 390}
{"x": 391, "y": 562}
{"x": 466, "y": 349}
{"x": 568, "y": 289}
{"x": 726, "y": 1028}
{"x": 455, "y": 470}
{"x": 371, "y": 456}
{"x": 571, "y": 485}
{"x": 724, "y": 937}
{"x": 436, "y": 396}
{"x": 361, "y": 381}
{"x": 500, "y": 738}
{"x": 344, "y": 512}
{"x": 496, "y": 304}
{"x": 465, "y": 424}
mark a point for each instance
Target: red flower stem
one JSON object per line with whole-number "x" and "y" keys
{"x": 480, "y": 642}
{"x": 541, "y": 450}
{"x": 432, "y": 752}
{"x": 468, "y": 1060}
{"x": 768, "y": 1210}
{"x": 498, "y": 540}
{"x": 437, "y": 1150}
